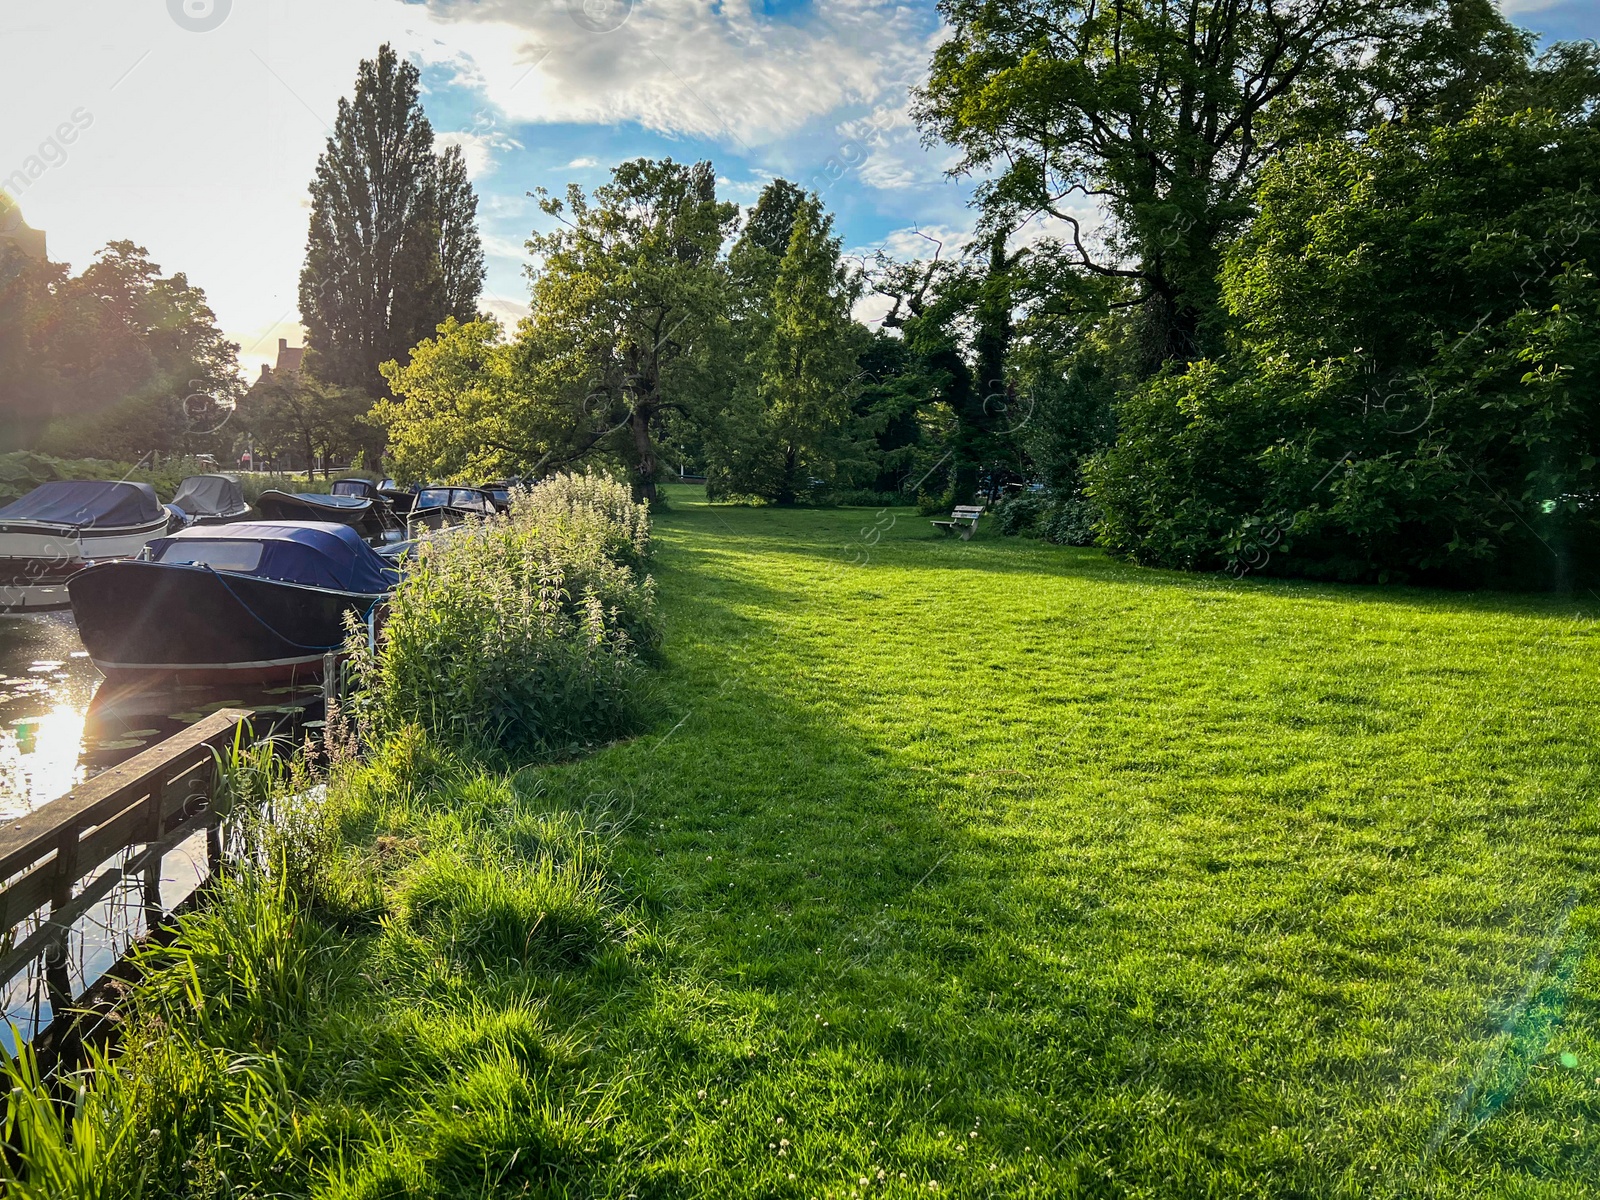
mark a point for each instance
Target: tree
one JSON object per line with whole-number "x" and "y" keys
{"x": 393, "y": 247}
{"x": 460, "y": 249}
{"x": 119, "y": 360}
{"x": 627, "y": 303}
{"x": 1411, "y": 390}
{"x": 789, "y": 429}
{"x": 297, "y": 414}
{"x": 756, "y": 255}
{"x": 464, "y": 411}
{"x": 1163, "y": 112}
{"x": 956, "y": 316}
{"x": 30, "y": 377}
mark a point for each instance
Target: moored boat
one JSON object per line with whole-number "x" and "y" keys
{"x": 59, "y": 528}
{"x": 372, "y": 518}
{"x": 254, "y": 600}
{"x": 499, "y": 494}
{"x": 211, "y": 500}
{"x": 441, "y": 507}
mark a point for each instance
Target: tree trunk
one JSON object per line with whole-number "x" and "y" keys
{"x": 787, "y": 490}
{"x": 644, "y": 450}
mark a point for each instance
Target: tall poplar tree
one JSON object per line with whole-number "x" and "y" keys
{"x": 393, "y": 248}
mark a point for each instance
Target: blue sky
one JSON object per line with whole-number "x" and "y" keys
{"x": 205, "y": 117}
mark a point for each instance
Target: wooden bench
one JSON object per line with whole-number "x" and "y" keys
{"x": 965, "y": 518}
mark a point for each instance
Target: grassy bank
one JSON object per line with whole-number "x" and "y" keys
{"x": 972, "y": 869}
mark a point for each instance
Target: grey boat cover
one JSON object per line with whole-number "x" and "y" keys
{"x": 210, "y": 496}
{"x": 88, "y": 504}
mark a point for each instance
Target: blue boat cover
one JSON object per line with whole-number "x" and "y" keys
{"x": 88, "y": 504}
{"x": 314, "y": 553}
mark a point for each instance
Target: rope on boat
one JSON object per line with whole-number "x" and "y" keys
{"x": 261, "y": 621}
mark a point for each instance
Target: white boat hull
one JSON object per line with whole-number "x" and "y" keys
{"x": 17, "y": 600}
{"x": 37, "y": 558}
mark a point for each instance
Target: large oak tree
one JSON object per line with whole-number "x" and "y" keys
{"x": 1161, "y": 114}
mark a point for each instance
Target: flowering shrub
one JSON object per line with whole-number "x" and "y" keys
{"x": 522, "y": 632}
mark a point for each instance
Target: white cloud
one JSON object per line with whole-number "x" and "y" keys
{"x": 745, "y": 191}
{"x": 924, "y": 241}
{"x": 1517, "y": 7}
{"x": 508, "y": 312}
{"x": 871, "y": 309}
{"x": 479, "y": 149}
{"x": 678, "y": 66}
{"x": 583, "y": 164}
{"x": 885, "y": 149}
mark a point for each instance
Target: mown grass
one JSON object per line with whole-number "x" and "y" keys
{"x": 974, "y": 869}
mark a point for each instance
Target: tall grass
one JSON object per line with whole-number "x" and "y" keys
{"x": 522, "y": 633}
{"x": 363, "y": 1008}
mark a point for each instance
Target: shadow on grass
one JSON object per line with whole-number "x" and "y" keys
{"x": 1119, "y": 974}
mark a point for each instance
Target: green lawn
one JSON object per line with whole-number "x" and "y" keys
{"x": 976, "y": 868}
{"x": 1158, "y": 885}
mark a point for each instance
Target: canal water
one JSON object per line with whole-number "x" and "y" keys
{"x": 61, "y": 723}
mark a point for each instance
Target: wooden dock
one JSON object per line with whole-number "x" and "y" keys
{"x": 61, "y": 860}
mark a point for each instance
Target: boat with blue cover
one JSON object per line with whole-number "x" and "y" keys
{"x": 252, "y": 600}
{"x": 61, "y": 527}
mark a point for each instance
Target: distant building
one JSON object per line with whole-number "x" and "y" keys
{"x": 290, "y": 359}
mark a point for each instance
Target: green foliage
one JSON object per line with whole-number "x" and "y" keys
{"x": 393, "y": 247}
{"x": 1064, "y": 519}
{"x": 463, "y": 411}
{"x": 629, "y": 303}
{"x": 1412, "y": 393}
{"x": 112, "y": 363}
{"x": 1166, "y": 111}
{"x": 784, "y": 434}
{"x": 1071, "y": 521}
{"x": 298, "y": 416}
{"x": 521, "y": 633}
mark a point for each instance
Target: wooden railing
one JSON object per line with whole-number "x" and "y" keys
{"x": 59, "y": 861}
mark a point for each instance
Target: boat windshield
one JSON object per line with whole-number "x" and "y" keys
{"x": 433, "y": 498}
{"x": 219, "y": 556}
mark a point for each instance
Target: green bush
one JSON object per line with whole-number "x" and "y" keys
{"x": 22, "y": 470}
{"x": 522, "y": 633}
{"x": 1412, "y": 390}
{"x": 1072, "y": 521}
{"x": 1019, "y": 513}
{"x": 1065, "y": 520}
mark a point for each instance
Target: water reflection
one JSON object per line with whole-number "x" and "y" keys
{"x": 60, "y": 723}
{"x": 46, "y": 685}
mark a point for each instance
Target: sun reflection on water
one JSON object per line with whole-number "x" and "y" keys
{"x": 46, "y": 686}
{"x": 39, "y": 757}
